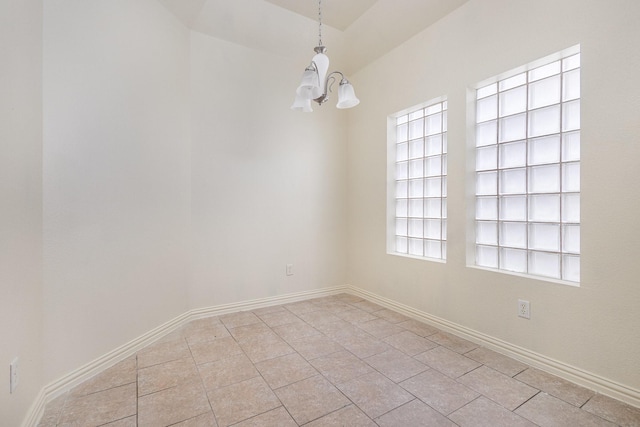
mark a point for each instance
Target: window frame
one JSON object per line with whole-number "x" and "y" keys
{"x": 561, "y": 223}
{"x": 392, "y": 146}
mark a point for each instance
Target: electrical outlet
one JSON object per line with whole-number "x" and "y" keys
{"x": 13, "y": 375}
{"x": 524, "y": 309}
{"x": 289, "y": 269}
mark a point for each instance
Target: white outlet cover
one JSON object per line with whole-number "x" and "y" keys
{"x": 524, "y": 309}
{"x": 13, "y": 380}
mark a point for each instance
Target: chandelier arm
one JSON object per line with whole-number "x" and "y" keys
{"x": 335, "y": 72}
{"x": 327, "y": 87}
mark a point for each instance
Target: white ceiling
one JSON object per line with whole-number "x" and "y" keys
{"x": 356, "y": 32}
{"x": 336, "y": 13}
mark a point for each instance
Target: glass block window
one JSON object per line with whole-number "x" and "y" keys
{"x": 419, "y": 214}
{"x": 527, "y": 204}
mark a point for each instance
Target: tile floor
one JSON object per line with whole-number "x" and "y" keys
{"x": 331, "y": 361}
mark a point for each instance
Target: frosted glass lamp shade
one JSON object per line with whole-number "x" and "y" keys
{"x": 310, "y": 86}
{"x": 321, "y": 62}
{"x": 302, "y": 104}
{"x": 346, "y": 95}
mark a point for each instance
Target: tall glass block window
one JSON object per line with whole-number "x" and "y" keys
{"x": 527, "y": 204}
{"x": 420, "y": 181}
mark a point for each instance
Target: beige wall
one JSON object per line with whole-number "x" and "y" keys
{"x": 20, "y": 203}
{"x": 175, "y": 177}
{"x": 116, "y": 176}
{"x": 593, "y": 327}
{"x": 267, "y": 182}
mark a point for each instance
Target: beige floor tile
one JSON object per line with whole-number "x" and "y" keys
{"x": 284, "y": 370}
{"x": 613, "y": 410}
{"x": 131, "y": 421}
{"x": 333, "y": 306}
{"x": 482, "y": 412}
{"x": 225, "y": 372}
{"x": 439, "y": 391}
{"x": 206, "y": 324}
{"x": 121, "y": 373}
{"x": 279, "y": 318}
{"x": 497, "y": 361}
{"x": 375, "y": 394}
{"x": 294, "y": 331}
{"x": 166, "y": 375}
{"x": 267, "y": 310}
{"x": 278, "y": 417}
{"x": 204, "y": 334}
{"x": 447, "y": 361}
{"x": 380, "y": 328}
{"x": 101, "y": 407}
{"x": 348, "y": 298}
{"x": 242, "y": 318}
{"x": 203, "y": 420}
{"x": 414, "y": 413}
{"x": 452, "y": 342}
{"x": 163, "y": 352}
{"x": 176, "y": 335}
{"x": 498, "y": 387}
{"x": 325, "y": 299}
{"x": 349, "y": 416}
{"x": 340, "y": 329}
{"x": 298, "y": 308}
{"x": 391, "y": 316}
{"x": 251, "y": 332}
{"x": 555, "y": 386}
{"x": 341, "y": 366}
{"x": 52, "y": 411}
{"x": 367, "y": 306}
{"x": 241, "y": 401}
{"x": 418, "y": 328}
{"x": 364, "y": 347}
{"x": 266, "y": 347}
{"x": 315, "y": 346}
{"x": 355, "y": 315}
{"x": 312, "y": 398}
{"x": 210, "y": 351}
{"x": 318, "y": 318}
{"x": 396, "y": 365}
{"x": 549, "y": 411}
{"x": 172, "y": 405}
{"x": 203, "y": 323}
{"x": 410, "y": 343}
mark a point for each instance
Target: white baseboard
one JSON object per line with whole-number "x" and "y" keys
{"x": 570, "y": 373}
{"x": 72, "y": 379}
{"x": 563, "y": 370}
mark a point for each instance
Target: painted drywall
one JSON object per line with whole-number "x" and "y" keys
{"x": 116, "y": 176}
{"x": 268, "y": 183}
{"x": 175, "y": 177}
{"x": 21, "y": 204}
{"x": 593, "y": 327}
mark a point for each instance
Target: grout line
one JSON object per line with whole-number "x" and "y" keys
{"x": 204, "y": 388}
{"x": 398, "y": 407}
{"x": 523, "y": 403}
{"x": 137, "y": 392}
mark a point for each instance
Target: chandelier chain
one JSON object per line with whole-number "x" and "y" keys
{"x": 319, "y": 22}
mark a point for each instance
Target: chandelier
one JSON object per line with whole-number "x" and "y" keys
{"x": 316, "y": 83}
